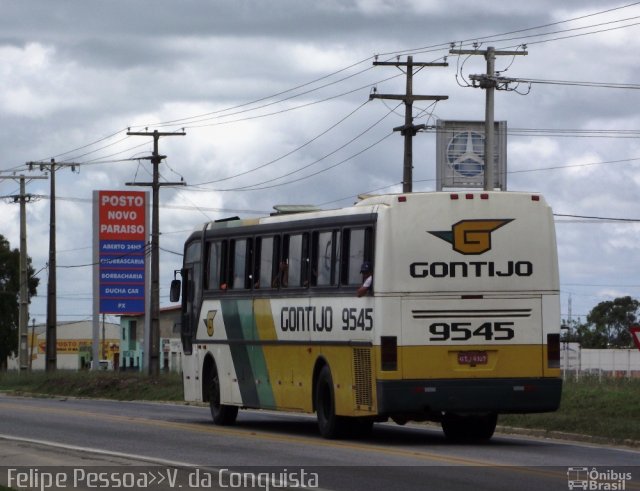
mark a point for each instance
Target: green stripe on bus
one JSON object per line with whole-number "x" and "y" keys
{"x": 248, "y": 359}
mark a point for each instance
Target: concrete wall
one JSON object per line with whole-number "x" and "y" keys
{"x": 609, "y": 362}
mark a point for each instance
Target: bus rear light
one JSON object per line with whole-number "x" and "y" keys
{"x": 525, "y": 388}
{"x": 535, "y": 198}
{"x": 484, "y": 196}
{"x": 402, "y": 199}
{"x": 389, "y": 352}
{"x": 423, "y": 390}
{"x": 553, "y": 350}
{"x": 454, "y": 196}
{"x": 468, "y": 196}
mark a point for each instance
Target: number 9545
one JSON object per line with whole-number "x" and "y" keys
{"x": 353, "y": 319}
{"x": 463, "y": 331}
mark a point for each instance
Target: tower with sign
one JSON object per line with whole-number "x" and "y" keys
{"x": 460, "y": 155}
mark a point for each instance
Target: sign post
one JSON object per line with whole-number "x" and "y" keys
{"x": 120, "y": 252}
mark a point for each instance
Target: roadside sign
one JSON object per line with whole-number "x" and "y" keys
{"x": 635, "y": 334}
{"x": 121, "y": 250}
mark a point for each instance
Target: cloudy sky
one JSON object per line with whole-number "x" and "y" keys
{"x": 274, "y": 98}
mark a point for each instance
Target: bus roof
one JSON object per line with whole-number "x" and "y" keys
{"x": 366, "y": 204}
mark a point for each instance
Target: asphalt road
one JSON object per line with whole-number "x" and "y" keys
{"x": 73, "y": 435}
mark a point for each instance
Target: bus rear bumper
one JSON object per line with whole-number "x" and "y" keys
{"x": 426, "y": 397}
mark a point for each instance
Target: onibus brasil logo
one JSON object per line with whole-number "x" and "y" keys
{"x": 471, "y": 236}
{"x": 597, "y": 479}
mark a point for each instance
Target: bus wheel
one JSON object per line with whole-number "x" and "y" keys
{"x": 222, "y": 415}
{"x": 471, "y": 428}
{"x": 330, "y": 425}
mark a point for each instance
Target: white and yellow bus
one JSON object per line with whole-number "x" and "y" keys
{"x": 461, "y": 324}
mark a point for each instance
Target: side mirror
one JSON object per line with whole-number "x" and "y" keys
{"x": 174, "y": 293}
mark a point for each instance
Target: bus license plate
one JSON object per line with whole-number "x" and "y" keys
{"x": 473, "y": 358}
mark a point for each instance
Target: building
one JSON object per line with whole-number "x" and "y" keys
{"x": 132, "y": 341}
{"x": 74, "y": 341}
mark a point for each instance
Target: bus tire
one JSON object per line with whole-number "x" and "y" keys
{"x": 329, "y": 425}
{"x": 221, "y": 414}
{"x": 469, "y": 428}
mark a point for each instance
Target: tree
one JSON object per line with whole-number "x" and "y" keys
{"x": 10, "y": 297}
{"x": 608, "y": 324}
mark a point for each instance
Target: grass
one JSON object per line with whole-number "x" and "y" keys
{"x": 121, "y": 386}
{"x": 607, "y": 409}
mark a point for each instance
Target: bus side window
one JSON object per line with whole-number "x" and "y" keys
{"x": 266, "y": 261}
{"x": 216, "y": 276}
{"x": 249, "y": 274}
{"x": 257, "y": 254}
{"x": 212, "y": 280}
{"x": 324, "y": 255}
{"x": 305, "y": 261}
{"x": 358, "y": 243}
{"x": 241, "y": 261}
{"x": 281, "y": 274}
{"x": 298, "y": 265}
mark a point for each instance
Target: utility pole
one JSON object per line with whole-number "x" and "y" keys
{"x": 23, "y": 313}
{"x": 104, "y": 349}
{"x": 23, "y": 316}
{"x": 490, "y": 83}
{"x": 52, "y": 314}
{"x": 33, "y": 335}
{"x": 154, "y": 325}
{"x": 408, "y": 130}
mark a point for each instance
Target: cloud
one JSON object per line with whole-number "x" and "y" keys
{"x": 75, "y": 75}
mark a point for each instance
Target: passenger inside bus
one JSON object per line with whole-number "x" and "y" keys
{"x": 281, "y": 278}
{"x": 367, "y": 278}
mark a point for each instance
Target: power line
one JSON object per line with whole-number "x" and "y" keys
{"x": 575, "y": 83}
{"x": 412, "y": 50}
{"x": 492, "y": 37}
{"x": 557, "y": 167}
{"x": 299, "y": 147}
{"x": 261, "y": 185}
{"x": 360, "y": 152}
{"x": 286, "y": 91}
{"x": 190, "y": 120}
{"x": 597, "y": 218}
{"x": 441, "y": 46}
{"x": 293, "y": 108}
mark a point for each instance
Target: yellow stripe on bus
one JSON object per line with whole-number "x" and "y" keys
{"x": 456, "y": 362}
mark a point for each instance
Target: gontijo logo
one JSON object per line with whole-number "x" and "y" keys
{"x": 472, "y": 236}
